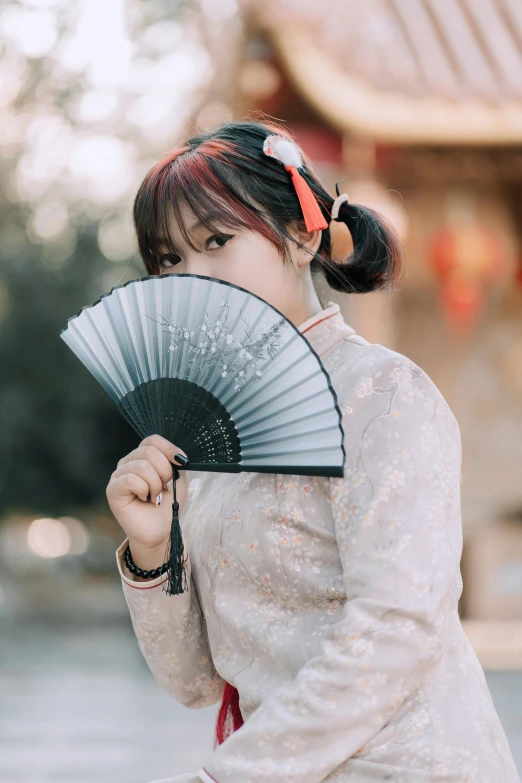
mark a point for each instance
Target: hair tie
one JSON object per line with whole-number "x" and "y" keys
{"x": 341, "y": 198}
{"x": 288, "y": 153}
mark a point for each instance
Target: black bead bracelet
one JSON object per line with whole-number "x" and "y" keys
{"x": 152, "y": 574}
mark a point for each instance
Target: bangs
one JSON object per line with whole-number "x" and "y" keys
{"x": 210, "y": 185}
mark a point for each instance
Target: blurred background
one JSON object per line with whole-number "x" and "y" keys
{"x": 415, "y": 108}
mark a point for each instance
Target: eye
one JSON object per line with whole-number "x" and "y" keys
{"x": 221, "y": 239}
{"x": 168, "y": 259}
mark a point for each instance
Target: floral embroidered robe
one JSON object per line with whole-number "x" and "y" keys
{"x": 331, "y": 603}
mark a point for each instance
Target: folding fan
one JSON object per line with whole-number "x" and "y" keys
{"x": 217, "y": 371}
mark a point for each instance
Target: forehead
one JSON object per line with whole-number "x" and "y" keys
{"x": 178, "y": 223}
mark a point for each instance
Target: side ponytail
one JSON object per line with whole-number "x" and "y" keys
{"x": 377, "y": 260}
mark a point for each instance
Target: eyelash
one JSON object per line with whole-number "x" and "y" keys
{"x": 169, "y": 256}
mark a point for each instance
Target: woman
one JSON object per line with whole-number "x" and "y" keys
{"x": 322, "y": 612}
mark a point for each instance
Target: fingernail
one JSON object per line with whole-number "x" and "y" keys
{"x": 159, "y": 498}
{"x": 181, "y": 458}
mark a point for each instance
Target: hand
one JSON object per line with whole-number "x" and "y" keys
{"x": 147, "y": 471}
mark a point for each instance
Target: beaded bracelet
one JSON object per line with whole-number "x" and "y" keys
{"x": 152, "y": 574}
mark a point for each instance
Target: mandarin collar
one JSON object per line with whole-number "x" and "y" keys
{"x": 325, "y": 328}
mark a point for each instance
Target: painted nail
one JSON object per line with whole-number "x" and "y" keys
{"x": 181, "y": 458}
{"x": 159, "y": 498}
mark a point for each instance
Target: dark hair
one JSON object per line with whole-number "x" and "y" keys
{"x": 224, "y": 176}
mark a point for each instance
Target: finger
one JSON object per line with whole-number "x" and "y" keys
{"x": 164, "y": 445}
{"x": 127, "y": 485}
{"x": 123, "y": 460}
{"x": 146, "y": 471}
{"x": 157, "y": 459}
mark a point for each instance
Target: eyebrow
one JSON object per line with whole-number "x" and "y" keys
{"x": 164, "y": 240}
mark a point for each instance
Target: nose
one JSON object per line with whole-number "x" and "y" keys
{"x": 198, "y": 265}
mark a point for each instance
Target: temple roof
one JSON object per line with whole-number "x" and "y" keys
{"x": 405, "y": 71}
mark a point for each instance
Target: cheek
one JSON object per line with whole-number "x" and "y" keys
{"x": 258, "y": 267}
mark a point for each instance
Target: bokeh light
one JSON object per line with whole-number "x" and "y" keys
{"x": 48, "y": 538}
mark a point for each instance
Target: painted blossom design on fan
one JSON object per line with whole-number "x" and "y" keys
{"x": 245, "y": 358}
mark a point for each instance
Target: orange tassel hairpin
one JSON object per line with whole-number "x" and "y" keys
{"x": 288, "y": 153}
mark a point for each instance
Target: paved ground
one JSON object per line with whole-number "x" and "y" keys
{"x": 78, "y": 705}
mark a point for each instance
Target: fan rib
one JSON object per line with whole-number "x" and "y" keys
{"x": 300, "y": 420}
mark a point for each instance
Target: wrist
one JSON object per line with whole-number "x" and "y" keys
{"x": 147, "y": 558}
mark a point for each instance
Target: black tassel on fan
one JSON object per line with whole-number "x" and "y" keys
{"x": 176, "y": 571}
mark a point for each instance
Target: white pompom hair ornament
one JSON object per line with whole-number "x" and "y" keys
{"x": 288, "y": 153}
{"x": 284, "y": 150}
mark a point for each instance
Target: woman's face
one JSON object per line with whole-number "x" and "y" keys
{"x": 247, "y": 259}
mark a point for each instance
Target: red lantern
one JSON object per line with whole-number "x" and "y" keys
{"x": 462, "y": 298}
{"x": 465, "y": 260}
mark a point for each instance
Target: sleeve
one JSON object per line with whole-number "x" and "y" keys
{"x": 397, "y": 523}
{"x": 172, "y": 636}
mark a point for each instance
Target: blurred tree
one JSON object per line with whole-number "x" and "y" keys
{"x": 93, "y": 93}
{"x": 61, "y": 434}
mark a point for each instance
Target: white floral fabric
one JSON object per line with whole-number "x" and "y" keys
{"x": 331, "y": 603}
